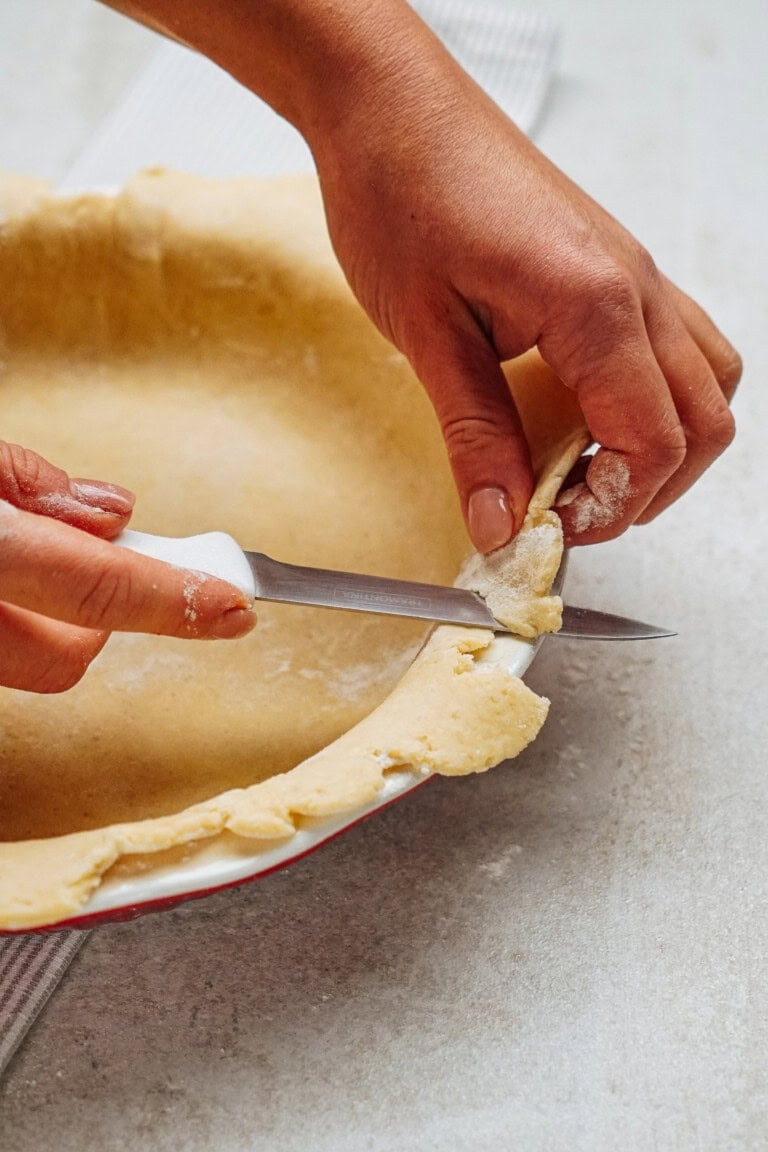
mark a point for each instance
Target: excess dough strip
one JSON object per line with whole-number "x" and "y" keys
{"x": 196, "y": 341}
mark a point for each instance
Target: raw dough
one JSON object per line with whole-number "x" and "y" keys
{"x": 196, "y": 342}
{"x": 506, "y": 578}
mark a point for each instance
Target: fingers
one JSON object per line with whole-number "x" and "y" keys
{"x": 701, "y": 405}
{"x": 62, "y": 590}
{"x": 29, "y": 482}
{"x": 41, "y": 655}
{"x": 629, "y": 410}
{"x": 721, "y": 356}
{"x": 653, "y": 383}
{"x": 63, "y": 573}
{"x": 486, "y": 444}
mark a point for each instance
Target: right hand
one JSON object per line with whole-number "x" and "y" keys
{"x": 467, "y": 247}
{"x": 64, "y": 588}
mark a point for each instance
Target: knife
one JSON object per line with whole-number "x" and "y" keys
{"x": 262, "y": 578}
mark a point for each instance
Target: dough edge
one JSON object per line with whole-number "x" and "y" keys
{"x": 449, "y": 714}
{"x": 445, "y": 716}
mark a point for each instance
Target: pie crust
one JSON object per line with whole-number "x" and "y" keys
{"x": 196, "y": 342}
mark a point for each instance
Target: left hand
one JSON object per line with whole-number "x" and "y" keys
{"x": 63, "y": 588}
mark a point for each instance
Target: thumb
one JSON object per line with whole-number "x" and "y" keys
{"x": 481, "y": 427}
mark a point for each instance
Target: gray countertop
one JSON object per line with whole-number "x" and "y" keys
{"x": 567, "y": 953}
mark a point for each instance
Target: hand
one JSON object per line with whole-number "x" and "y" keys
{"x": 467, "y": 247}
{"x": 62, "y": 589}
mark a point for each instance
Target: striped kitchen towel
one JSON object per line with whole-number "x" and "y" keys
{"x": 30, "y": 969}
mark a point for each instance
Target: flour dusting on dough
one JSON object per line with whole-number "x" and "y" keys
{"x": 514, "y": 581}
{"x": 138, "y": 666}
{"x": 353, "y": 682}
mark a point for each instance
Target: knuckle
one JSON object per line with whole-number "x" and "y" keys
{"x": 729, "y": 370}
{"x": 646, "y": 265}
{"x": 108, "y": 598}
{"x": 670, "y": 450}
{"x": 465, "y": 435}
{"x": 605, "y": 312}
{"x": 611, "y": 291}
{"x": 19, "y": 472}
{"x": 714, "y": 429}
{"x": 721, "y": 430}
{"x": 663, "y": 448}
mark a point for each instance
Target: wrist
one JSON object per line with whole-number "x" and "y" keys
{"x": 335, "y": 68}
{"x": 327, "y": 66}
{"x": 340, "y": 71}
{"x": 359, "y": 57}
{"x": 376, "y": 94}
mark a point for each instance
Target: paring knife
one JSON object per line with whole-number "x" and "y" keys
{"x": 263, "y": 578}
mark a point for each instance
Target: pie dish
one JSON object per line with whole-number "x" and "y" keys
{"x": 196, "y": 342}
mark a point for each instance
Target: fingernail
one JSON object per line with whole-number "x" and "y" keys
{"x": 103, "y": 497}
{"x": 491, "y": 523}
{"x": 233, "y": 623}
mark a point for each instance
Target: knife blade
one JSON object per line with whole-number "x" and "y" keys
{"x": 263, "y": 578}
{"x": 326, "y": 588}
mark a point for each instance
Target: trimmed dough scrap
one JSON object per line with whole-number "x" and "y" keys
{"x": 196, "y": 341}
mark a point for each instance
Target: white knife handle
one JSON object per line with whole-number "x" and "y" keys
{"x": 214, "y": 553}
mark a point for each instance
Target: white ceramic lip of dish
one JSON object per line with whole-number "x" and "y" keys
{"x": 194, "y": 878}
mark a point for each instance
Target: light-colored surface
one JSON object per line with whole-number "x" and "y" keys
{"x": 568, "y": 955}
